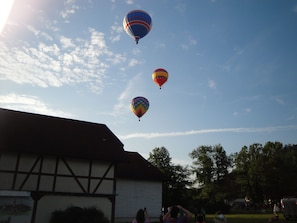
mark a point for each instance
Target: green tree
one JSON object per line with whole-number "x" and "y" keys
{"x": 249, "y": 168}
{"x": 203, "y": 166}
{"x": 177, "y": 177}
{"x": 222, "y": 162}
{"x": 211, "y": 165}
{"x": 160, "y": 158}
{"x": 288, "y": 170}
{"x": 266, "y": 172}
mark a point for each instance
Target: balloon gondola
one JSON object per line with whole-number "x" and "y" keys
{"x": 137, "y": 23}
{"x": 139, "y": 106}
{"x": 160, "y": 76}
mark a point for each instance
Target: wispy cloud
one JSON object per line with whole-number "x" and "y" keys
{"x": 278, "y": 100}
{"x": 70, "y": 8}
{"x": 207, "y": 131}
{"x": 189, "y": 43}
{"x": 123, "y": 101}
{"x": 130, "y": 2}
{"x": 71, "y": 61}
{"x": 295, "y": 8}
{"x": 212, "y": 84}
{"x": 37, "y": 33}
{"x": 181, "y": 7}
{"x": 244, "y": 111}
{"x": 31, "y": 104}
{"x": 116, "y": 30}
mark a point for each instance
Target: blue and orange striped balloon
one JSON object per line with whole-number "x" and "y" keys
{"x": 139, "y": 106}
{"x": 137, "y": 24}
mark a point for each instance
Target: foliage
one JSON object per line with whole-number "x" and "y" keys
{"x": 267, "y": 172}
{"x": 177, "y": 177}
{"x": 257, "y": 173}
{"x": 211, "y": 166}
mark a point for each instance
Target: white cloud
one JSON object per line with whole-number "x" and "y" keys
{"x": 74, "y": 61}
{"x": 295, "y": 8}
{"x": 70, "y": 8}
{"x": 123, "y": 101}
{"x": 52, "y": 50}
{"x": 39, "y": 33}
{"x": 115, "y": 38}
{"x": 206, "y": 131}
{"x": 243, "y": 111}
{"x": 235, "y": 113}
{"x": 180, "y": 7}
{"x": 136, "y": 51}
{"x": 133, "y": 62}
{"x": 278, "y": 100}
{"x": 66, "y": 42}
{"x": 117, "y": 58}
{"x": 117, "y": 28}
{"x": 212, "y": 84}
{"x": 97, "y": 39}
{"x": 189, "y": 44}
{"x": 29, "y": 103}
{"x": 248, "y": 110}
{"x": 130, "y": 2}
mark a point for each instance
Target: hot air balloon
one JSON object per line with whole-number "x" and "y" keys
{"x": 139, "y": 106}
{"x": 137, "y": 24}
{"x": 160, "y": 76}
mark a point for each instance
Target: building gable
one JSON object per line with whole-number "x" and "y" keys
{"x": 41, "y": 134}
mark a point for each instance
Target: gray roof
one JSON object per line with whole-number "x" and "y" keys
{"x": 41, "y": 134}
{"x": 138, "y": 168}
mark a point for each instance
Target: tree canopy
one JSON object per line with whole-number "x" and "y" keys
{"x": 259, "y": 173}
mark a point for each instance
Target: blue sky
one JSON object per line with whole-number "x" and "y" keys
{"x": 231, "y": 63}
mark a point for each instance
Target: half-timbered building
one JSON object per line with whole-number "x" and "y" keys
{"x": 56, "y": 163}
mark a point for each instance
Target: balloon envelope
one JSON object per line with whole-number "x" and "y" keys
{"x": 139, "y": 106}
{"x": 137, "y": 24}
{"x": 160, "y": 76}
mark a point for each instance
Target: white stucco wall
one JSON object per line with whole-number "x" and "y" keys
{"x": 133, "y": 195}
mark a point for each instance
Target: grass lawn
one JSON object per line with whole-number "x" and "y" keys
{"x": 250, "y": 218}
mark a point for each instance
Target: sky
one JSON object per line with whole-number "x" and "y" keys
{"x": 231, "y": 63}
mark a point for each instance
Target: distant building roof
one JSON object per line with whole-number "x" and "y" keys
{"x": 41, "y": 134}
{"x": 138, "y": 168}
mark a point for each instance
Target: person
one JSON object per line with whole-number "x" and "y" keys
{"x": 142, "y": 216}
{"x": 200, "y": 219}
{"x": 219, "y": 218}
{"x": 203, "y": 213}
{"x": 275, "y": 210}
{"x": 177, "y": 214}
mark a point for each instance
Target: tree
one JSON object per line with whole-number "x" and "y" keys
{"x": 249, "y": 168}
{"x": 266, "y": 172}
{"x": 203, "y": 165}
{"x": 177, "y": 177}
{"x": 222, "y": 162}
{"x": 211, "y": 166}
{"x": 160, "y": 158}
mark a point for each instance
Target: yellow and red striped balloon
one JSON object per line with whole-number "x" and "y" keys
{"x": 160, "y": 76}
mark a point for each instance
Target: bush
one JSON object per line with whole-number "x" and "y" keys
{"x": 79, "y": 215}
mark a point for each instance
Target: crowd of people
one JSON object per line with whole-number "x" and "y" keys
{"x": 178, "y": 214}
